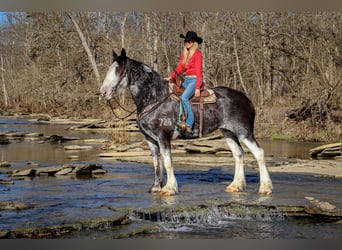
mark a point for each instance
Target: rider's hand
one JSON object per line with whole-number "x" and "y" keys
{"x": 197, "y": 93}
{"x": 167, "y": 78}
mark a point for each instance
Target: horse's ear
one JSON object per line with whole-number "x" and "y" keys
{"x": 123, "y": 53}
{"x": 114, "y": 55}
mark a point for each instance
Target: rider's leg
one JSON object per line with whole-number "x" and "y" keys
{"x": 190, "y": 87}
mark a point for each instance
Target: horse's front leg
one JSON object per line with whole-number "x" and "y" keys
{"x": 171, "y": 187}
{"x": 158, "y": 168}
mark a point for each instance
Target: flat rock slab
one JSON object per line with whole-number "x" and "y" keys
{"x": 69, "y": 169}
{"x": 60, "y": 230}
{"x": 4, "y": 205}
{"x": 77, "y": 147}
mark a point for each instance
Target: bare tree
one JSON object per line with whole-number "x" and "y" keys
{"x": 86, "y": 48}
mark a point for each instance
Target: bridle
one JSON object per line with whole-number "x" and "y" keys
{"x": 144, "y": 112}
{"x": 123, "y": 75}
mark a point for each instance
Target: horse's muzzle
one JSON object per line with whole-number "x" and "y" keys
{"x": 106, "y": 93}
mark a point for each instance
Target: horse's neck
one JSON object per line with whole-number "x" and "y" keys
{"x": 146, "y": 85}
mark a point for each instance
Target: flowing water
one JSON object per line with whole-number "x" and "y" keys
{"x": 66, "y": 199}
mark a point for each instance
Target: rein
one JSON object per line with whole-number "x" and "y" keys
{"x": 152, "y": 107}
{"x": 124, "y": 74}
{"x": 118, "y": 103}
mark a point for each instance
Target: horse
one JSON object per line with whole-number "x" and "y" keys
{"x": 157, "y": 114}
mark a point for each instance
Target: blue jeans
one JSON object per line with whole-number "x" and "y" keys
{"x": 190, "y": 86}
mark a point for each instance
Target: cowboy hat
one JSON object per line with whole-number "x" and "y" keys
{"x": 192, "y": 36}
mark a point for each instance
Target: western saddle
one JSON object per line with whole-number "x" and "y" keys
{"x": 207, "y": 96}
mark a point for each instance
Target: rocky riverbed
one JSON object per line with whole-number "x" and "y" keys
{"x": 107, "y": 196}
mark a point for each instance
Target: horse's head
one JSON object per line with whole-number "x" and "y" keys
{"x": 116, "y": 77}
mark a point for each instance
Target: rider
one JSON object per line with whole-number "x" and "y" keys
{"x": 191, "y": 62}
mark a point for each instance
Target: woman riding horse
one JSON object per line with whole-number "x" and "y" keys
{"x": 191, "y": 62}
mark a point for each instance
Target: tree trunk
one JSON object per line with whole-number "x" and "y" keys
{"x": 86, "y": 48}
{"x": 3, "y": 82}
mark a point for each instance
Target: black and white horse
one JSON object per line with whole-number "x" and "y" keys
{"x": 157, "y": 114}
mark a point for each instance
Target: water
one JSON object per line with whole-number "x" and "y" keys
{"x": 66, "y": 199}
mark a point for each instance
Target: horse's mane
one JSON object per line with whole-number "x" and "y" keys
{"x": 145, "y": 83}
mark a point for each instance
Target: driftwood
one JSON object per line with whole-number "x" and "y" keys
{"x": 328, "y": 150}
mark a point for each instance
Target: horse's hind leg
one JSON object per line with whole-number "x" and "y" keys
{"x": 158, "y": 168}
{"x": 239, "y": 181}
{"x": 266, "y": 185}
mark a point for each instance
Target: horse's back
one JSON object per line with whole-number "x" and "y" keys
{"x": 236, "y": 108}
{"x": 234, "y": 97}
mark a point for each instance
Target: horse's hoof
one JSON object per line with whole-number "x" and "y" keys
{"x": 232, "y": 188}
{"x": 265, "y": 192}
{"x": 167, "y": 192}
{"x": 265, "y": 189}
{"x": 154, "y": 189}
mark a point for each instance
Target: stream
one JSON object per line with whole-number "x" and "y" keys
{"x": 69, "y": 199}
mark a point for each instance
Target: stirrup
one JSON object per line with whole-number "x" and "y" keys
{"x": 182, "y": 126}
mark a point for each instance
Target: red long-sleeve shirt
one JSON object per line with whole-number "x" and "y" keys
{"x": 193, "y": 67}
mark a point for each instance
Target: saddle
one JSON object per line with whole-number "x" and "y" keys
{"x": 207, "y": 96}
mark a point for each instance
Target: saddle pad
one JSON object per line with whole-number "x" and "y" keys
{"x": 211, "y": 98}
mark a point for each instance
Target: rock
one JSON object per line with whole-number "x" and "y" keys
{"x": 82, "y": 169}
{"x": 73, "y": 156}
{"x": 76, "y": 169}
{"x": 4, "y": 140}
{"x": 5, "y": 164}
{"x": 6, "y": 181}
{"x": 33, "y": 135}
{"x": 60, "y": 139}
{"x": 125, "y": 154}
{"x": 77, "y": 147}
{"x": 64, "y": 171}
{"x": 5, "y": 205}
{"x": 56, "y": 231}
{"x": 31, "y": 163}
{"x": 98, "y": 171}
{"x": 50, "y": 171}
{"x": 25, "y": 172}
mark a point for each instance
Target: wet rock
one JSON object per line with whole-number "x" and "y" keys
{"x": 44, "y": 118}
{"x": 70, "y": 169}
{"x": 125, "y": 154}
{"x": 15, "y": 135}
{"x": 321, "y": 207}
{"x": 34, "y": 134}
{"x": 77, "y": 147}
{"x": 58, "y": 231}
{"x": 60, "y": 139}
{"x": 64, "y": 171}
{"x": 25, "y": 172}
{"x": 5, "y": 164}
{"x": 6, "y": 181}
{"x": 4, "y": 140}
{"x": 32, "y": 163}
{"x": 4, "y": 205}
{"x": 82, "y": 169}
{"x": 135, "y": 229}
{"x": 217, "y": 209}
{"x": 50, "y": 171}
{"x": 74, "y": 157}
{"x": 98, "y": 171}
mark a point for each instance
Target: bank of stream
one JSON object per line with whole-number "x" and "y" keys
{"x": 116, "y": 204}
